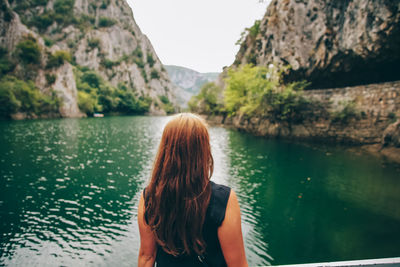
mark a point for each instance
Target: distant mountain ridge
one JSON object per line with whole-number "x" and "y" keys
{"x": 189, "y": 81}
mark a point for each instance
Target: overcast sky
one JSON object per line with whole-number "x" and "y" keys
{"x": 199, "y": 34}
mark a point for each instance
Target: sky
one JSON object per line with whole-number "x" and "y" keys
{"x": 197, "y": 34}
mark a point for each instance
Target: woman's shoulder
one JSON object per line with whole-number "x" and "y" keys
{"x": 218, "y": 201}
{"x": 220, "y": 190}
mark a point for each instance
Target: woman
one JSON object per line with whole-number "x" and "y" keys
{"x": 184, "y": 218}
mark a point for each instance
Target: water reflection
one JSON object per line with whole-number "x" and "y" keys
{"x": 69, "y": 191}
{"x": 311, "y": 204}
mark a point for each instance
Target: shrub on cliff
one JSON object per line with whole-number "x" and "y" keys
{"x": 58, "y": 58}
{"x": 42, "y": 21}
{"x": 96, "y": 95}
{"x": 287, "y": 104}
{"x": 87, "y": 102}
{"x": 150, "y": 60}
{"x": 253, "y": 31}
{"x": 106, "y": 22}
{"x": 7, "y": 14}
{"x": 154, "y": 74}
{"x": 257, "y": 91}
{"x": 50, "y": 78}
{"x": 64, "y": 11}
{"x": 109, "y": 64}
{"x": 20, "y": 96}
{"x": 64, "y": 6}
{"x": 28, "y": 51}
{"x": 245, "y": 88}
{"x": 137, "y": 52}
{"x": 137, "y": 55}
{"x": 207, "y": 101}
{"x": 5, "y": 64}
{"x": 93, "y": 43}
{"x": 166, "y": 104}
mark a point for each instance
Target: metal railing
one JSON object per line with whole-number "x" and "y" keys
{"x": 374, "y": 262}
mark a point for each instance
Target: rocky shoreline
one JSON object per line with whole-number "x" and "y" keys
{"x": 388, "y": 149}
{"x": 373, "y": 123}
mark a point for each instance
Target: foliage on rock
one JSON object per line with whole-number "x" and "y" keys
{"x": 20, "y": 96}
{"x": 28, "y": 51}
{"x": 207, "y": 101}
{"x": 96, "y": 95}
{"x": 63, "y": 35}
{"x": 58, "y": 58}
{"x": 254, "y": 91}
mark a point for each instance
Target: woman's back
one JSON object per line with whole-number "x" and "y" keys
{"x": 181, "y": 212}
{"x": 214, "y": 218}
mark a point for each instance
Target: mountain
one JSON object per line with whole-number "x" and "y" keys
{"x": 189, "y": 81}
{"x": 328, "y": 43}
{"x": 89, "y": 55}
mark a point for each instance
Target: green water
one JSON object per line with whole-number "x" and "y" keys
{"x": 69, "y": 192}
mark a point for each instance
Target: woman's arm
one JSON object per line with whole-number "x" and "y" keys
{"x": 230, "y": 234}
{"x": 147, "y": 251}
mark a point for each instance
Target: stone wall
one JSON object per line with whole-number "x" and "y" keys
{"x": 377, "y": 107}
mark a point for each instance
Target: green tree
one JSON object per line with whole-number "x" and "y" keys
{"x": 106, "y": 22}
{"x": 20, "y": 96}
{"x": 28, "y": 51}
{"x": 208, "y": 100}
{"x": 245, "y": 87}
{"x": 58, "y": 58}
{"x": 87, "y": 102}
{"x": 64, "y": 11}
{"x": 6, "y": 65}
{"x": 64, "y": 6}
{"x": 150, "y": 60}
{"x": 92, "y": 79}
{"x": 154, "y": 74}
{"x": 96, "y": 95}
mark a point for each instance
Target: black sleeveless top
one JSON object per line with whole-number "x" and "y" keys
{"x": 215, "y": 215}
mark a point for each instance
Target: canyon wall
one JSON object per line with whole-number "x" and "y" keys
{"x": 97, "y": 36}
{"x": 328, "y": 43}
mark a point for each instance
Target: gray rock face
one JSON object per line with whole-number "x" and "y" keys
{"x": 329, "y": 43}
{"x": 14, "y": 31}
{"x": 391, "y": 136}
{"x": 104, "y": 38}
{"x": 66, "y": 87}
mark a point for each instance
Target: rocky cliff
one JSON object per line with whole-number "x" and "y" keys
{"x": 328, "y": 43}
{"x": 88, "y": 37}
{"x": 348, "y": 50}
{"x": 188, "y": 81}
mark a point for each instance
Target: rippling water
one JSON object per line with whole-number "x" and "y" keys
{"x": 69, "y": 192}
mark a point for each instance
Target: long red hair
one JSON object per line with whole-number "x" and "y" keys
{"x": 179, "y": 191}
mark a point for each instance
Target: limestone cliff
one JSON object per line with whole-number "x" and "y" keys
{"x": 99, "y": 36}
{"x": 348, "y": 50}
{"x": 328, "y": 43}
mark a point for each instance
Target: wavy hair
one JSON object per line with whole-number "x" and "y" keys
{"x": 179, "y": 191}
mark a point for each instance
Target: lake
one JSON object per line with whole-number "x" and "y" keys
{"x": 69, "y": 191}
